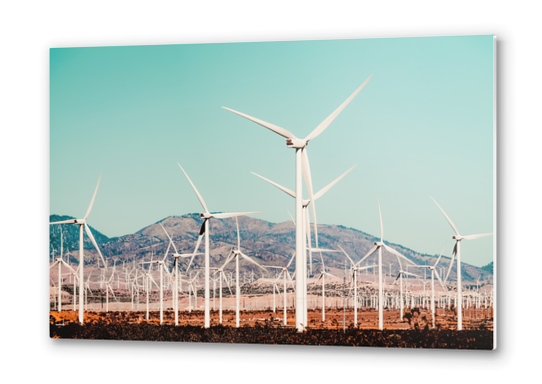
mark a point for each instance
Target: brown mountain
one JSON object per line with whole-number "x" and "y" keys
{"x": 268, "y": 243}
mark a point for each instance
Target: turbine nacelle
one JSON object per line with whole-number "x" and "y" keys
{"x": 205, "y": 215}
{"x": 457, "y": 237}
{"x": 294, "y": 142}
{"x": 379, "y": 243}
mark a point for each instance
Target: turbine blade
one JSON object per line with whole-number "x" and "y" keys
{"x": 252, "y": 261}
{"x": 283, "y": 189}
{"x": 238, "y": 237}
{"x": 201, "y": 232}
{"x": 319, "y": 277}
{"x": 167, "y": 251}
{"x": 451, "y": 262}
{"x": 228, "y": 259}
{"x": 93, "y": 197}
{"x": 71, "y": 221}
{"x": 351, "y": 261}
{"x": 308, "y": 234}
{"x": 278, "y": 130}
{"x": 170, "y": 241}
{"x": 324, "y": 124}
{"x": 323, "y": 250}
{"x": 200, "y": 198}
{"x": 234, "y": 214}
{"x": 441, "y": 283}
{"x": 447, "y": 218}
{"x": 61, "y": 245}
{"x": 329, "y": 274}
{"x": 441, "y": 251}
{"x": 472, "y": 237}
{"x": 389, "y": 249}
{"x": 368, "y": 254}
{"x": 290, "y": 260}
{"x": 381, "y": 226}
{"x": 95, "y": 244}
{"x": 69, "y": 266}
{"x": 321, "y": 192}
{"x": 308, "y": 181}
{"x": 291, "y": 216}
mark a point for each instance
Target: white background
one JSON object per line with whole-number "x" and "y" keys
{"x": 28, "y": 29}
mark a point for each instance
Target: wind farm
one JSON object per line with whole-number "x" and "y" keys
{"x": 329, "y": 274}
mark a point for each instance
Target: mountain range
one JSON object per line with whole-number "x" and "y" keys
{"x": 268, "y": 243}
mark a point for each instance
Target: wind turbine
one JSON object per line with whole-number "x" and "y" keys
{"x": 433, "y": 269}
{"x": 284, "y": 273}
{"x": 222, "y": 276}
{"x": 301, "y": 157}
{"x": 205, "y": 230}
{"x": 148, "y": 286}
{"x": 305, "y": 204}
{"x": 400, "y": 277}
{"x": 162, "y": 267}
{"x": 108, "y": 288}
{"x": 354, "y": 268}
{"x": 322, "y": 276}
{"x": 378, "y": 245}
{"x": 59, "y": 261}
{"x": 83, "y": 223}
{"x": 234, "y": 254}
{"x": 306, "y": 223}
{"x": 457, "y": 251}
{"x": 176, "y": 275}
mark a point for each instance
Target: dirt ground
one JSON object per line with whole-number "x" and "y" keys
{"x": 367, "y": 318}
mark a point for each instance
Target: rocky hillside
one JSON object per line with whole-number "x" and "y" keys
{"x": 267, "y": 243}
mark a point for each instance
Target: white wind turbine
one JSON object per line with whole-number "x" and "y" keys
{"x": 284, "y": 272}
{"x": 222, "y": 277}
{"x": 354, "y": 268}
{"x": 176, "y": 275}
{"x": 322, "y": 276}
{"x": 457, "y": 251}
{"x": 147, "y": 274}
{"x": 433, "y": 269}
{"x": 305, "y": 204}
{"x": 59, "y": 261}
{"x": 234, "y": 254}
{"x": 83, "y": 223}
{"x": 400, "y": 277}
{"x": 378, "y": 245}
{"x": 301, "y": 157}
{"x": 205, "y": 230}
{"x": 191, "y": 287}
{"x": 162, "y": 267}
{"x": 306, "y": 222}
{"x": 108, "y": 288}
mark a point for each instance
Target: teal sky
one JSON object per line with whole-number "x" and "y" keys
{"x": 423, "y": 126}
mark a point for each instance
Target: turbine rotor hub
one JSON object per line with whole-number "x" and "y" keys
{"x": 205, "y": 215}
{"x": 296, "y": 143}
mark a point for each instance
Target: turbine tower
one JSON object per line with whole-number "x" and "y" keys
{"x": 301, "y": 157}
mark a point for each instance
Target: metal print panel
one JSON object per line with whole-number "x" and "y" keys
{"x": 334, "y": 192}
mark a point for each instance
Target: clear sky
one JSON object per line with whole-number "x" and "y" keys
{"x": 423, "y": 126}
